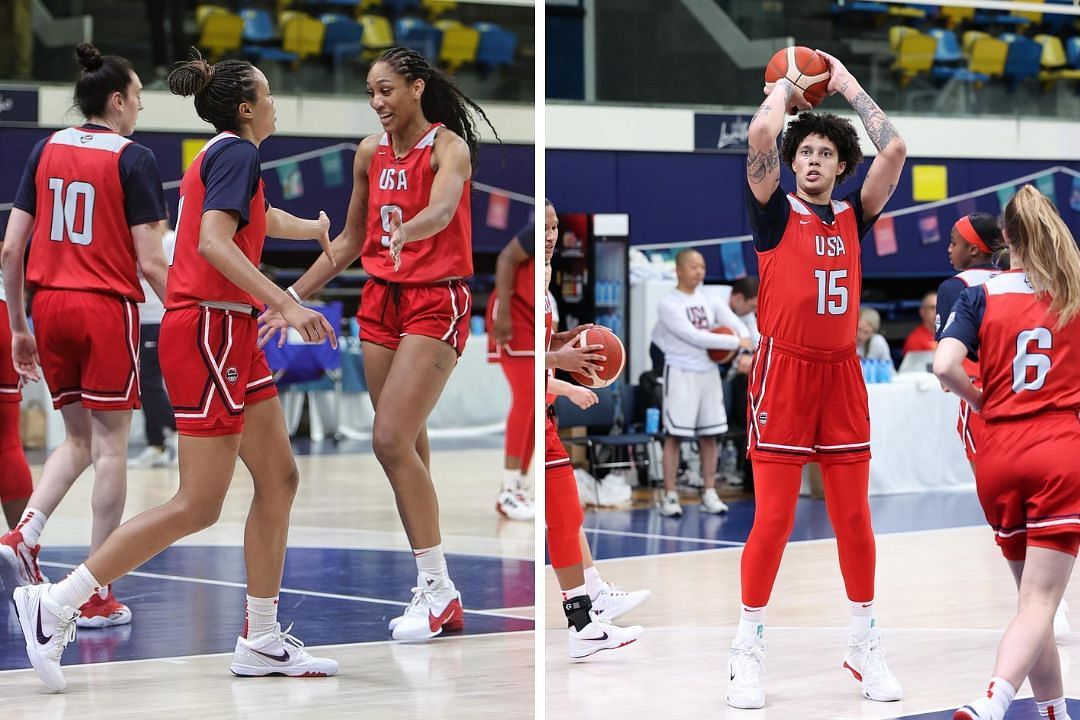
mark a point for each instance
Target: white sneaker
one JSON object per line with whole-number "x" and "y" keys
{"x": 515, "y": 505}
{"x": 38, "y": 615}
{"x": 600, "y": 635}
{"x": 670, "y": 506}
{"x": 613, "y": 602}
{"x": 711, "y": 502}
{"x": 278, "y": 653}
{"x": 151, "y": 457}
{"x": 1062, "y": 628}
{"x": 746, "y": 668}
{"x": 975, "y": 710}
{"x": 436, "y": 606}
{"x": 865, "y": 658}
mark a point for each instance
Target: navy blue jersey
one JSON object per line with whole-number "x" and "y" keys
{"x": 950, "y": 290}
{"x": 230, "y": 173}
{"x": 769, "y": 222}
{"x": 965, "y": 319}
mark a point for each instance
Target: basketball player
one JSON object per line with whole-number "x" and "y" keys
{"x": 93, "y": 202}
{"x": 224, "y": 396}
{"x": 16, "y": 484}
{"x": 1023, "y": 325}
{"x": 510, "y": 343}
{"x": 693, "y": 391}
{"x": 807, "y": 397}
{"x": 410, "y": 222}
{"x": 590, "y": 628}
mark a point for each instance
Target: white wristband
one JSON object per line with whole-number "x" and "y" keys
{"x": 293, "y": 295}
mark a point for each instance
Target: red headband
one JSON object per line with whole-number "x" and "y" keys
{"x": 967, "y": 231}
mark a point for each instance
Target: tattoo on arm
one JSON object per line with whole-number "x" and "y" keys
{"x": 878, "y": 127}
{"x": 759, "y": 165}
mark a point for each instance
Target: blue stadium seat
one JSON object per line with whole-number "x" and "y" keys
{"x": 497, "y": 46}
{"x": 1072, "y": 51}
{"x": 398, "y": 7}
{"x": 259, "y": 32}
{"x": 342, "y": 37}
{"x": 948, "y": 47}
{"x": 1023, "y": 60}
{"x": 420, "y": 35}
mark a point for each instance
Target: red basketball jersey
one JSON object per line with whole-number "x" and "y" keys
{"x": 971, "y": 278}
{"x": 81, "y": 239}
{"x": 1028, "y": 365}
{"x": 191, "y": 278}
{"x": 522, "y": 307}
{"x": 405, "y": 184}
{"x": 812, "y": 281}
{"x": 549, "y": 373}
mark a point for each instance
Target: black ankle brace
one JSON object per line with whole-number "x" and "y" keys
{"x": 577, "y": 611}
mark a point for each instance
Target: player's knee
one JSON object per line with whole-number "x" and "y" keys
{"x": 388, "y": 446}
{"x": 197, "y": 513}
{"x": 285, "y": 485}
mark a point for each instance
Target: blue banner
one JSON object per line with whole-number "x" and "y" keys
{"x": 18, "y": 105}
{"x": 721, "y": 132}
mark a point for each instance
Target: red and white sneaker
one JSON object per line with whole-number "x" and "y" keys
{"x": 278, "y": 653}
{"x": 436, "y": 606}
{"x": 102, "y": 612}
{"x": 22, "y": 558}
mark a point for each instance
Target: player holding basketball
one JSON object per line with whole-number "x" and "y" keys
{"x": 589, "y": 610}
{"x": 807, "y": 400}
{"x": 410, "y": 222}
{"x": 219, "y": 383}
{"x": 16, "y": 484}
{"x": 510, "y": 343}
{"x": 1023, "y": 325}
{"x": 92, "y": 200}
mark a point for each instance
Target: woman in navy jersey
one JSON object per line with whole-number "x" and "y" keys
{"x": 92, "y": 200}
{"x": 1023, "y": 325}
{"x": 410, "y": 223}
{"x": 218, "y": 381}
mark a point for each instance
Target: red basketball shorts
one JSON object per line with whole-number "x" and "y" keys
{"x": 9, "y": 379}
{"x": 807, "y": 405}
{"x": 1027, "y": 478}
{"x": 554, "y": 451}
{"x": 88, "y": 344}
{"x": 212, "y": 368}
{"x": 390, "y": 311}
{"x": 971, "y": 427}
{"x": 562, "y": 505}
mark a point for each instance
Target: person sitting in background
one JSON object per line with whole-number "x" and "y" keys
{"x": 869, "y": 343}
{"x": 922, "y": 337}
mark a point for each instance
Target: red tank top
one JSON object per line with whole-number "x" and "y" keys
{"x": 191, "y": 278}
{"x": 811, "y": 282}
{"x": 405, "y": 184}
{"x": 1028, "y": 365}
{"x": 81, "y": 239}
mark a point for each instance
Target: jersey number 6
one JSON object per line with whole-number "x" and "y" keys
{"x": 831, "y": 296}
{"x": 66, "y": 207}
{"x": 1025, "y": 360}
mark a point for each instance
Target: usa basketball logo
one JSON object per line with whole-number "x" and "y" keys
{"x": 232, "y": 375}
{"x": 762, "y": 418}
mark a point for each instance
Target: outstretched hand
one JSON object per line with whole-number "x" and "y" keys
{"x": 324, "y": 237}
{"x": 398, "y": 238}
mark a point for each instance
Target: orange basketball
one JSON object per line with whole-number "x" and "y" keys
{"x": 722, "y": 356}
{"x": 613, "y": 350}
{"x": 805, "y": 68}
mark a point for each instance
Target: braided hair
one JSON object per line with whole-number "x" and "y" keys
{"x": 102, "y": 75}
{"x": 442, "y": 100}
{"x": 218, "y": 89}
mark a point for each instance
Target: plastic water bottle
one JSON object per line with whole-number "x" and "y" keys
{"x": 652, "y": 420}
{"x": 867, "y": 371}
{"x": 886, "y": 371}
{"x": 729, "y": 459}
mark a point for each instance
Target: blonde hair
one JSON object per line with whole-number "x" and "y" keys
{"x": 871, "y": 316}
{"x": 1046, "y": 249}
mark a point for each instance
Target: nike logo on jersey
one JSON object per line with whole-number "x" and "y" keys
{"x": 283, "y": 657}
{"x": 804, "y": 222}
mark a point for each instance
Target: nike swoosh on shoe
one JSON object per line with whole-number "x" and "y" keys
{"x": 282, "y": 658}
{"x": 42, "y": 638}
{"x": 437, "y": 621}
{"x": 598, "y": 639}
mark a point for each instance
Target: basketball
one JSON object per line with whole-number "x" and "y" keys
{"x": 613, "y": 350}
{"x": 722, "y": 356}
{"x": 807, "y": 70}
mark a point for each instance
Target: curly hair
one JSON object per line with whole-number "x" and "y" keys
{"x": 840, "y": 131}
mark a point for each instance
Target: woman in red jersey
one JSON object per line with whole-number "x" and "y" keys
{"x": 218, "y": 381}
{"x": 92, "y": 200}
{"x": 410, "y": 223}
{"x": 1023, "y": 325}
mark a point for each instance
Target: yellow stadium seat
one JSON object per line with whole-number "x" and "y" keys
{"x": 435, "y": 8}
{"x": 301, "y": 34}
{"x": 914, "y": 55}
{"x": 896, "y": 32}
{"x": 204, "y": 11}
{"x": 220, "y": 33}
{"x": 364, "y": 5}
{"x": 969, "y": 39}
{"x": 1053, "y": 54}
{"x": 459, "y": 44}
{"x": 955, "y": 14}
{"x": 987, "y": 56}
{"x": 378, "y": 35}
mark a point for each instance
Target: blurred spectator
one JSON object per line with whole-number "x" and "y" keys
{"x": 169, "y": 44}
{"x": 16, "y": 40}
{"x": 922, "y": 337}
{"x": 869, "y": 343}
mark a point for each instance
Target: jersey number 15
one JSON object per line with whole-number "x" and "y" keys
{"x": 832, "y": 297}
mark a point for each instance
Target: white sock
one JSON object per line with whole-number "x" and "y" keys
{"x": 751, "y": 623}
{"x": 75, "y": 589}
{"x": 31, "y": 524}
{"x": 431, "y": 561}
{"x": 512, "y": 480}
{"x": 260, "y": 616}
{"x": 1060, "y": 712}
{"x": 862, "y": 618}
{"x": 593, "y": 582}
{"x": 573, "y": 592}
{"x": 1001, "y": 694}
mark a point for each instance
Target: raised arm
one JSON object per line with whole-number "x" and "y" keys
{"x": 884, "y": 173}
{"x": 763, "y": 157}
